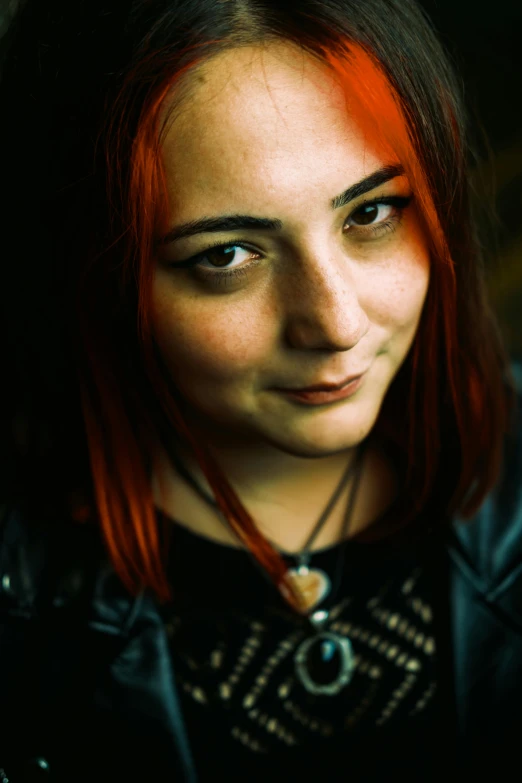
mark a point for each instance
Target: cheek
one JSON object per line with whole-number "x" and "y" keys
{"x": 397, "y": 295}
{"x": 402, "y": 298}
{"x": 211, "y": 342}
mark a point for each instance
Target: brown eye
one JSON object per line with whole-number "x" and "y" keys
{"x": 377, "y": 217}
{"x": 365, "y": 215}
{"x": 221, "y": 256}
{"x": 368, "y": 214}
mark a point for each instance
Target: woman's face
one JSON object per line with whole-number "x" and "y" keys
{"x": 322, "y": 292}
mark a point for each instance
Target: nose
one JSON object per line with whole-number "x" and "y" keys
{"x": 322, "y": 306}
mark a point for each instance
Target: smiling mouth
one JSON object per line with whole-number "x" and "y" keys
{"x": 325, "y": 387}
{"x": 324, "y": 396}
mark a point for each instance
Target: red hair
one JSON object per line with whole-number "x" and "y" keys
{"x": 122, "y": 432}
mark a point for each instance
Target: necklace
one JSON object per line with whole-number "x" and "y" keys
{"x": 313, "y": 583}
{"x": 324, "y": 662}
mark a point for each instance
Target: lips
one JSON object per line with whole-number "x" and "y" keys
{"x": 319, "y": 398}
{"x": 326, "y": 387}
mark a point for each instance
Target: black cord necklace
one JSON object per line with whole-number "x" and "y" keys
{"x": 324, "y": 662}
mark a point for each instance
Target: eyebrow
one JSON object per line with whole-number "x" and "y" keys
{"x": 244, "y": 222}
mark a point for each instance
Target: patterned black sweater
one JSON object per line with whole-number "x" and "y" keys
{"x": 248, "y": 715}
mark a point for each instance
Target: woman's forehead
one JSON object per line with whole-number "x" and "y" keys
{"x": 265, "y": 120}
{"x": 260, "y": 86}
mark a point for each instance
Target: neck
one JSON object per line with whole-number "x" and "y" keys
{"x": 284, "y": 494}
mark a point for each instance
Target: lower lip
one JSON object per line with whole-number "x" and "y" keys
{"x": 324, "y": 397}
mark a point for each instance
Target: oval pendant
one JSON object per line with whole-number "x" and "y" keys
{"x": 312, "y": 583}
{"x": 324, "y": 663}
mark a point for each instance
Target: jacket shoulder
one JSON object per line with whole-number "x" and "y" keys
{"x": 40, "y": 562}
{"x": 62, "y": 565}
{"x": 489, "y": 545}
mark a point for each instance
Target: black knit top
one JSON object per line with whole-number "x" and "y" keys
{"x": 233, "y": 643}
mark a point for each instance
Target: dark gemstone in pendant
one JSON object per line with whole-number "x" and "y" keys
{"x": 324, "y": 661}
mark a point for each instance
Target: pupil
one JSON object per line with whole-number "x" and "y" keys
{"x": 222, "y": 255}
{"x": 367, "y": 214}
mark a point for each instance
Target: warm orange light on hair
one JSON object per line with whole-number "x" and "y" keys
{"x": 122, "y": 490}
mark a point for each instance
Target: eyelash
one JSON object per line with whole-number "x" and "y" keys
{"x": 380, "y": 229}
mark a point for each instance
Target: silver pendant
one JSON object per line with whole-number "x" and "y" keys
{"x": 324, "y": 663}
{"x": 312, "y": 583}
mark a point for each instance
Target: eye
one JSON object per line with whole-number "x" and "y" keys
{"x": 373, "y": 219}
{"x": 224, "y": 255}
{"x": 369, "y": 214}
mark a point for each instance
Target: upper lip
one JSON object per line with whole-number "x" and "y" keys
{"x": 327, "y": 386}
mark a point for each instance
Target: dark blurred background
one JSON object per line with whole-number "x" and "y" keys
{"x": 484, "y": 40}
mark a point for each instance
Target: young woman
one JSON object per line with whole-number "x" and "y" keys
{"x": 261, "y": 508}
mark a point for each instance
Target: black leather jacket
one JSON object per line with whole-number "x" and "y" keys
{"x": 87, "y": 691}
